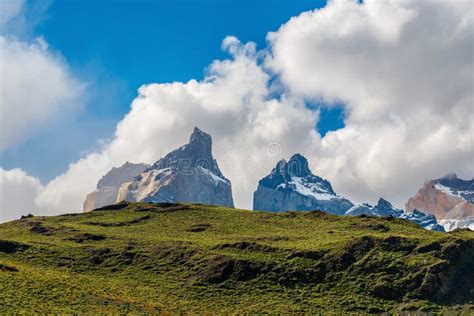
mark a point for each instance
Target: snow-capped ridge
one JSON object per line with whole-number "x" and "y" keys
{"x": 427, "y": 221}
{"x": 384, "y": 208}
{"x": 381, "y": 209}
{"x": 292, "y": 186}
{"x": 450, "y": 199}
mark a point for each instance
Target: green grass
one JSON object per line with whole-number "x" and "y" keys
{"x": 158, "y": 258}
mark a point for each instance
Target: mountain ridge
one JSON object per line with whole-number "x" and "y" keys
{"x": 191, "y": 174}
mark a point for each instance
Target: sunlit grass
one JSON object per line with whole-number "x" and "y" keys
{"x": 147, "y": 258}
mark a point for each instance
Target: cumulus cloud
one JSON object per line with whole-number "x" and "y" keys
{"x": 231, "y": 103}
{"x": 404, "y": 70}
{"x": 17, "y": 195}
{"x": 9, "y": 9}
{"x": 37, "y": 87}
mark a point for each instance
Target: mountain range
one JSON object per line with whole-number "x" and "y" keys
{"x": 191, "y": 174}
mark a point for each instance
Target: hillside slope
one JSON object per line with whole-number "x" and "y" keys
{"x": 140, "y": 257}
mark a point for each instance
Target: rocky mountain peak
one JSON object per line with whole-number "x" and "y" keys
{"x": 286, "y": 171}
{"x": 200, "y": 142}
{"x": 292, "y": 186}
{"x": 187, "y": 174}
{"x": 196, "y": 153}
{"x": 381, "y": 209}
{"x": 452, "y": 185}
{"x": 450, "y": 199}
{"x": 298, "y": 166}
{"x": 383, "y": 204}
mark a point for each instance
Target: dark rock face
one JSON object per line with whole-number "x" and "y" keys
{"x": 108, "y": 186}
{"x": 187, "y": 174}
{"x": 292, "y": 186}
{"x": 196, "y": 154}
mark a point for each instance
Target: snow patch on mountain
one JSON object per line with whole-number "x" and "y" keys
{"x": 307, "y": 188}
{"x": 452, "y": 224}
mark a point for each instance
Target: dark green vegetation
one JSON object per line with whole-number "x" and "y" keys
{"x": 140, "y": 258}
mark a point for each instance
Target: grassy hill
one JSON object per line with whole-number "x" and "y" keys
{"x": 139, "y": 257}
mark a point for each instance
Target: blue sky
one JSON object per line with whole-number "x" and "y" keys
{"x": 116, "y": 47}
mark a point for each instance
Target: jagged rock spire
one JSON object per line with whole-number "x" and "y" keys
{"x": 292, "y": 186}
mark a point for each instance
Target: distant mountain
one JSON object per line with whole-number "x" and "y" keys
{"x": 292, "y": 186}
{"x": 108, "y": 186}
{"x": 187, "y": 174}
{"x": 452, "y": 224}
{"x": 384, "y": 208}
{"x": 427, "y": 221}
{"x": 449, "y": 199}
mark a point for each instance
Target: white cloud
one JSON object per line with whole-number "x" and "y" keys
{"x": 37, "y": 87}
{"x": 231, "y": 103}
{"x": 17, "y": 194}
{"x": 9, "y": 9}
{"x": 403, "y": 69}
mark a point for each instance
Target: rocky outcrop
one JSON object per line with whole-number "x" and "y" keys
{"x": 187, "y": 174}
{"x": 108, "y": 186}
{"x": 449, "y": 199}
{"x": 292, "y": 186}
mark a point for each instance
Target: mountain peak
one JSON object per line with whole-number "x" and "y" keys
{"x": 200, "y": 144}
{"x": 448, "y": 198}
{"x": 383, "y": 203}
{"x": 292, "y": 186}
{"x": 298, "y": 166}
{"x": 187, "y": 174}
{"x": 199, "y": 135}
